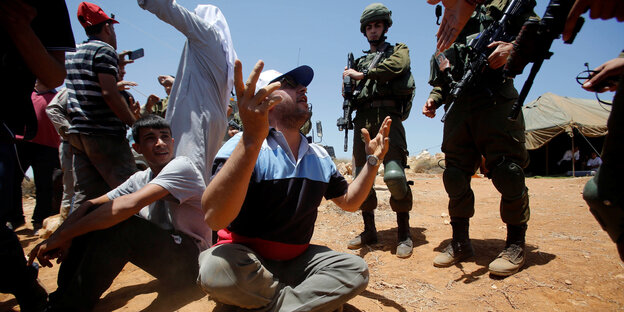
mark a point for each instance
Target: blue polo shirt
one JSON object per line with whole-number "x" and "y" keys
{"x": 278, "y": 215}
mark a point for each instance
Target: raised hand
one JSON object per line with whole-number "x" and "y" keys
{"x": 456, "y": 15}
{"x": 253, "y": 108}
{"x": 379, "y": 145}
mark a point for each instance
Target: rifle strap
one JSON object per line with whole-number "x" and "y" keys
{"x": 373, "y": 64}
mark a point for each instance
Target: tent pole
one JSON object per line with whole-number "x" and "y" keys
{"x": 547, "y": 144}
{"x": 573, "y": 159}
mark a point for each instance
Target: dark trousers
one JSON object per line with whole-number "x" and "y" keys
{"x": 8, "y": 162}
{"x": 16, "y": 276}
{"x": 43, "y": 160}
{"x": 96, "y": 258}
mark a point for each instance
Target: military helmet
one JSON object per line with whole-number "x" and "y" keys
{"x": 375, "y": 12}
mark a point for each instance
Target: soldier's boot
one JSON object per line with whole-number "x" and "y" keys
{"x": 460, "y": 247}
{"x": 369, "y": 236}
{"x": 405, "y": 244}
{"x": 512, "y": 258}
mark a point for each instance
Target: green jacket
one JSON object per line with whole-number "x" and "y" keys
{"x": 457, "y": 55}
{"x": 391, "y": 79}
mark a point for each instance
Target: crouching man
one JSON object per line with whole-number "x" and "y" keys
{"x": 264, "y": 198}
{"x": 154, "y": 220}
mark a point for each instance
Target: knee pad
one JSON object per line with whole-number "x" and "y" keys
{"x": 456, "y": 182}
{"x": 394, "y": 177}
{"x": 508, "y": 178}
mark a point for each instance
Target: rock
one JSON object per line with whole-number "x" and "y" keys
{"x": 50, "y": 224}
{"x": 568, "y": 282}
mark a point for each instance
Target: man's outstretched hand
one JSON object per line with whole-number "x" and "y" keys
{"x": 379, "y": 145}
{"x": 253, "y": 108}
{"x": 456, "y": 15}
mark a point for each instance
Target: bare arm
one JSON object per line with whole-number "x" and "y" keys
{"x": 224, "y": 196}
{"x": 115, "y": 101}
{"x": 360, "y": 187}
{"x": 105, "y": 216}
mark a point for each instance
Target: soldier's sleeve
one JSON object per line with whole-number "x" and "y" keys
{"x": 395, "y": 65}
{"x": 437, "y": 95}
{"x": 501, "y": 5}
{"x": 436, "y": 80}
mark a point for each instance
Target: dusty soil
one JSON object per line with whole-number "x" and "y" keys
{"x": 571, "y": 263}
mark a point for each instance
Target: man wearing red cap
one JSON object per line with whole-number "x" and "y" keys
{"x": 99, "y": 114}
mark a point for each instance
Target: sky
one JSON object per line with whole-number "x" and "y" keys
{"x": 320, "y": 33}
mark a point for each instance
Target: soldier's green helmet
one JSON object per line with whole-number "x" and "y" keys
{"x": 375, "y": 12}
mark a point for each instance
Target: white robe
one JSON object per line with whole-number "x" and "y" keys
{"x": 200, "y": 95}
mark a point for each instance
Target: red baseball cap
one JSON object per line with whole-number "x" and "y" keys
{"x": 90, "y": 14}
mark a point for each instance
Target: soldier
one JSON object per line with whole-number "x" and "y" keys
{"x": 387, "y": 89}
{"x": 478, "y": 126}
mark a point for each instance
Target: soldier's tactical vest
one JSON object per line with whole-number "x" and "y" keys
{"x": 400, "y": 89}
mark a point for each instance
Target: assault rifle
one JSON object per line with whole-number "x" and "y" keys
{"x": 345, "y": 123}
{"x": 533, "y": 45}
{"x": 349, "y": 93}
{"x": 478, "y": 50}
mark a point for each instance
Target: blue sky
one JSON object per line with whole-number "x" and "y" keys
{"x": 320, "y": 33}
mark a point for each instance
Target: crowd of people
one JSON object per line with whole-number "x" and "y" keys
{"x": 237, "y": 218}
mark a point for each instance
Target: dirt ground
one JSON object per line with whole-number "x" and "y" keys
{"x": 571, "y": 263}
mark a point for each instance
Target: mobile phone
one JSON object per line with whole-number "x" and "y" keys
{"x": 136, "y": 54}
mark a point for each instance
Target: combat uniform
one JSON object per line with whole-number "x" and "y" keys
{"x": 387, "y": 90}
{"x": 476, "y": 127}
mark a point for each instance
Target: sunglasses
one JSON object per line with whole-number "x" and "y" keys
{"x": 288, "y": 82}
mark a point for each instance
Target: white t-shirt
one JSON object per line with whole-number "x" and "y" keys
{"x": 181, "y": 209}
{"x": 592, "y": 162}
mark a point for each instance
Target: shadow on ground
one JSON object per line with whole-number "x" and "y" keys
{"x": 486, "y": 251}
{"x": 387, "y": 240}
{"x": 167, "y": 299}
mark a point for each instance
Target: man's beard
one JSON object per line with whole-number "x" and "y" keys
{"x": 294, "y": 119}
{"x": 379, "y": 41}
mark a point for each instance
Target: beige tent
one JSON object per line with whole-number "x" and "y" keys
{"x": 552, "y": 114}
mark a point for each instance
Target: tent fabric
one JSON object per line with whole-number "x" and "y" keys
{"x": 551, "y": 114}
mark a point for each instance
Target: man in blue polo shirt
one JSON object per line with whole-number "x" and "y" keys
{"x": 264, "y": 197}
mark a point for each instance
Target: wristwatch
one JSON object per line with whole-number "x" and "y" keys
{"x": 372, "y": 160}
